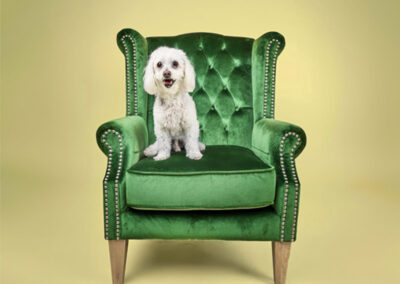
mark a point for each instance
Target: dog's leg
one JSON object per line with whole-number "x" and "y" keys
{"x": 192, "y": 149}
{"x": 192, "y": 144}
{"x": 151, "y": 150}
{"x": 202, "y": 146}
{"x": 164, "y": 146}
{"x": 175, "y": 145}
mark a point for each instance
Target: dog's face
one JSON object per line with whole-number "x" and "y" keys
{"x": 168, "y": 72}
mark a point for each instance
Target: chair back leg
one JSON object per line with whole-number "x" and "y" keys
{"x": 280, "y": 254}
{"x": 118, "y": 252}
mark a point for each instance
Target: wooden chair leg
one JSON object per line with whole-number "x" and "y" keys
{"x": 280, "y": 254}
{"x": 118, "y": 252}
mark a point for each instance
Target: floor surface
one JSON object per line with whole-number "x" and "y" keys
{"x": 346, "y": 235}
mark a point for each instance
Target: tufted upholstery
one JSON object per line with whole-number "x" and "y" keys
{"x": 235, "y": 99}
{"x": 235, "y": 78}
{"x": 179, "y": 183}
{"x": 223, "y": 93}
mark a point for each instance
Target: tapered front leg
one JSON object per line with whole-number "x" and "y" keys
{"x": 280, "y": 254}
{"x": 118, "y": 252}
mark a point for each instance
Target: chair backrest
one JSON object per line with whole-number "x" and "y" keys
{"x": 223, "y": 94}
{"x": 224, "y": 87}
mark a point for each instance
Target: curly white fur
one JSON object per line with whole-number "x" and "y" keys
{"x": 169, "y": 75}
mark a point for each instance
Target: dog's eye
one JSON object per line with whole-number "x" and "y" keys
{"x": 159, "y": 64}
{"x": 175, "y": 63}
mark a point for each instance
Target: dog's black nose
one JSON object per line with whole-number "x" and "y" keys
{"x": 167, "y": 74}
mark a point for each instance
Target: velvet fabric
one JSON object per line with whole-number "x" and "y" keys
{"x": 223, "y": 93}
{"x": 121, "y": 155}
{"x": 227, "y": 177}
{"x": 235, "y": 100}
{"x": 265, "y": 52}
{"x": 134, "y": 47}
{"x": 251, "y": 225}
{"x": 217, "y": 159}
{"x": 267, "y": 138}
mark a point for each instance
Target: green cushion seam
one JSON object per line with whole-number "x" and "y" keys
{"x": 255, "y": 171}
{"x": 267, "y": 153}
{"x": 189, "y": 208}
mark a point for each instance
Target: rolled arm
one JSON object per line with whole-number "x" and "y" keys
{"x": 122, "y": 140}
{"x": 279, "y": 143}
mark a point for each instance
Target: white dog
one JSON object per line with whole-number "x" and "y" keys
{"x": 169, "y": 76}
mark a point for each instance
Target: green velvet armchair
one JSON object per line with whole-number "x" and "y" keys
{"x": 244, "y": 188}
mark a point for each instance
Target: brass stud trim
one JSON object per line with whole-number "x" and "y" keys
{"x": 116, "y": 181}
{"x": 128, "y": 74}
{"x": 296, "y": 183}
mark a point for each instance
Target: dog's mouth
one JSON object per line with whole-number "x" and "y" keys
{"x": 168, "y": 83}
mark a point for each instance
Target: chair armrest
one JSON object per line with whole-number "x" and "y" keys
{"x": 122, "y": 140}
{"x": 279, "y": 143}
{"x": 269, "y": 135}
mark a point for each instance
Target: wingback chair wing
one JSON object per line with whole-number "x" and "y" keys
{"x": 246, "y": 185}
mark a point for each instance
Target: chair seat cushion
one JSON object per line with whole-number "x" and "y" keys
{"x": 227, "y": 177}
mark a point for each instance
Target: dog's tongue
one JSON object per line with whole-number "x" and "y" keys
{"x": 168, "y": 82}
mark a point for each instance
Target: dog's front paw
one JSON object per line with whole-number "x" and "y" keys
{"x": 150, "y": 151}
{"x": 194, "y": 155}
{"x": 202, "y": 146}
{"x": 161, "y": 156}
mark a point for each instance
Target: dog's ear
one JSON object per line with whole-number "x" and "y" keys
{"x": 189, "y": 80}
{"x": 149, "y": 84}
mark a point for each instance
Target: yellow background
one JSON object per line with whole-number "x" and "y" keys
{"x": 62, "y": 75}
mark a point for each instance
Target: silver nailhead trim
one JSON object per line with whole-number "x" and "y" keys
{"x": 128, "y": 87}
{"x": 105, "y": 185}
{"x": 296, "y": 183}
{"x": 272, "y": 79}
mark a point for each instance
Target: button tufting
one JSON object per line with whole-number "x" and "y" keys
{"x": 236, "y": 61}
{"x": 223, "y": 47}
{"x": 223, "y": 94}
